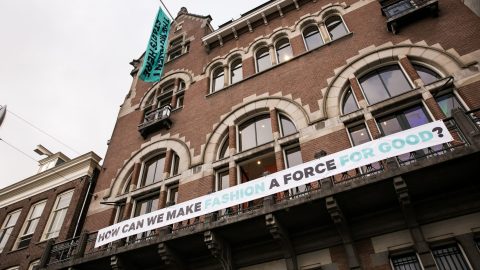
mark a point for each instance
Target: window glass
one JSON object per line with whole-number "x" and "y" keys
{"x": 33, "y": 264}
{"x": 257, "y": 167}
{"x": 428, "y": 76}
{"x": 384, "y": 83}
{"x": 407, "y": 261}
{"x": 175, "y": 54}
{"x": 218, "y": 79}
{"x": 30, "y": 224}
{"x": 312, "y": 37}
{"x": 175, "y": 164}
{"x": 449, "y": 257}
{"x": 223, "y": 180}
{"x": 288, "y": 127}
{"x": 236, "y": 72}
{"x": 180, "y": 99}
{"x": 58, "y": 214}
{"x": 263, "y": 59}
{"x": 154, "y": 169}
{"x": 146, "y": 206}
{"x": 416, "y": 117}
{"x": 224, "y": 149}
{"x": 293, "y": 157}
{"x": 359, "y": 135}
{"x": 247, "y": 136}
{"x": 447, "y": 103}
{"x": 264, "y": 131}
{"x": 349, "y": 103}
{"x": 7, "y": 227}
{"x": 335, "y": 27}
{"x": 172, "y": 195}
{"x": 181, "y": 86}
{"x": 165, "y": 99}
{"x": 284, "y": 50}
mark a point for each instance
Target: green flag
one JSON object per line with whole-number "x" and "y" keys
{"x": 155, "y": 55}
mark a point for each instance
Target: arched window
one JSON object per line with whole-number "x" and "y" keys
{"x": 284, "y": 50}
{"x": 427, "y": 75}
{"x": 153, "y": 170}
{"x": 312, "y": 37}
{"x": 181, "y": 86}
{"x": 287, "y": 126}
{"x": 384, "y": 83}
{"x": 165, "y": 97}
{"x": 263, "y": 59}
{"x": 349, "y": 103}
{"x": 218, "y": 79}
{"x": 335, "y": 27}
{"x": 255, "y": 132}
{"x": 224, "y": 149}
{"x": 236, "y": 71}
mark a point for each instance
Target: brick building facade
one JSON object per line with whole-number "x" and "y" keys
{"x": 46, "y": 208}
{"x": 288, "y": 82}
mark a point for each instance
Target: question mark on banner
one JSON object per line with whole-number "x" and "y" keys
{"x": 439, "y": 131}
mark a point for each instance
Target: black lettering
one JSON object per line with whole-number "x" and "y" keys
{"x": 131, "y": 227}
{"x": 101, "y": 237}
{"x": 139, "y": 224}
{"x": 181, "y": 212}
{"x": 308, "y": 172}
{"x": 298, "y": 175}
{"x": 317, "y": 168}
{"x": 331, "y": 165}
{"x": 108, "y": 234}
{"x": 160, "y": 218}
{"x": 274, "y": 183}
{"x": 115, "y": 231}
{"x": 198, "y": 207}
{"x": 125, "y": 228}
{"x": 189, "y": 209}
{"x": 151, "y": 220}
{"x": 171, "y": 214}
{"x": 286, "y": 178}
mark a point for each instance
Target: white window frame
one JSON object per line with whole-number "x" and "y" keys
{"x": 48, "y": 234}
{"x": 212, "y": 79}
{"x": 5, "y": 228}
{"x": 276, "y": 49}
{"x": 305, "y": 41}
{"x": 27, "y": 221}
{"x": 33, "y": 264}
{"x": 256, "y": 58}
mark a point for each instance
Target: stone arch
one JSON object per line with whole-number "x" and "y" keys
{"x": 185, "y": 76}
{"x": 262, "y": 104}
{"x": 145, "y": 153}
{"x": 447, "y": 62}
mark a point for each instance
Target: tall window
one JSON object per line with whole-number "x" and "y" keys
{"x": 172, "y": 195}
{"x": 293, "y": 157}
{"x": 359, "y": 135}
{"x": 263, "y": 59}
{"x": 427, "y": 75}
{"x": 407, "y": 261}
{"x": 312, "y": 37}
{"x": 7, "y": 227}
{"x": 284, "y": 50}
{"x": 224, "y": 148}
{"x": 447, "y": 103}
{"x": 255, "y": 132}
{"x": 175, "y": 164}
{"x": 58, "y": 214}
{"x": 218, "y": 79}
{"x": 450, "y": 257}
{"x": 145, "y": 206}
{"x": 30, "y": 225}
{"x": 349, "y": 103}
{"x": 335, "y": 27}
{"x": 236, "y": 71}
{"x": 384, "y": 83}
{"x": 154, "y": 169}
{"x": 288, "y": 127}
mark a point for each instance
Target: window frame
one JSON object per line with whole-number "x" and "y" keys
{"x": 253, "y": 121}
{"x": 48, "y": 227}
{"x": 404, "y": 254}
{"x": 170, "y": 189}
{"x": 4, "y": 227}
{"x": 269, "y": 56}
{"x": 27, "y": 223}
{"x": 233, "y": 68}
{"x": 223, "y": 142}
{"x": 144, "y": 171}
{"x": 347, "y": 31}
{"x": 343, "y": 101}
{"x": 285, "y": 46}
{"x": 459, "y": 251}
{"x": 281, "y": 127}
{"x": 214, "y": 77}
{"x": 305, "y": 39}
{"x": 429, "y": 67}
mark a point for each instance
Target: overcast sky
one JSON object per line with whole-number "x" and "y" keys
{"x": 64, "y": 67}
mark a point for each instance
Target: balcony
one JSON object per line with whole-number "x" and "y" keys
{"x": 155, "y": 120}
{"x": 399, "y": 12}
{"x": 442, "y": 183}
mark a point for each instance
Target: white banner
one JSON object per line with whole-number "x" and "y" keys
{"x": 414, "y": 139}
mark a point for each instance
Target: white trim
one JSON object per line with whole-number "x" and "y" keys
{"x": 54, "y": 209}
{"x": 49, "y": 179}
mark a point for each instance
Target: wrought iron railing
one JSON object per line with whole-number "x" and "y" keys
{"x": 156, "y": 116}
{"x": 63, "y": 251}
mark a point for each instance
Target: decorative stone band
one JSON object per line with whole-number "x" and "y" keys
{"x": 407, "y": 141}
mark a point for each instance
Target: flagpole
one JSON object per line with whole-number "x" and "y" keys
{"x": 168, "y": 11}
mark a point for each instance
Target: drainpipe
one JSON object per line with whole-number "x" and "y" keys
{"x": 87, "y": 198}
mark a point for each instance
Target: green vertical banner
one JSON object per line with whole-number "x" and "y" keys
{"x": 155, "y": 55}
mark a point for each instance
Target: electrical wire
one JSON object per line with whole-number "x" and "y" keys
{"x": 40, "y": 130}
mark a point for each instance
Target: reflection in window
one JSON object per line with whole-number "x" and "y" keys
{"x": 335, "y": 26}
{"x": 406, "y": 261}
{"x": 447, "y": 103}
{"x": 450, "y": 257}
{"x": 255, "y": 132}
{"x": 58, "y": 214}
{"x": 359, "y": 135}
{"x": 7, "y": 228}
{"x": 349, "y": 103}
{"x": 218, "y": 79}
{"x": 384, "y": 83}
{"x": 288, "y": 127}
{"x": 30, "y": 224}
{"x": 312, "y": 37}
{"x": 263, "y": 59}
{"x": 236, "y": 72}
{"x": 284, "y": 50}
{"x": 427, "y": 75}
{"x": 154, "y": 169}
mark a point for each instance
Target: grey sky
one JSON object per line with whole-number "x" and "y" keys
{"x": 64, "y": 66}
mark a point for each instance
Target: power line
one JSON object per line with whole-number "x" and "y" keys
{"x": 44, "y": 132}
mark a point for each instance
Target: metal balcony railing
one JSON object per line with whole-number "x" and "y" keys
{"x": 398, "y": 11}
{"x": 155, "y": 120}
